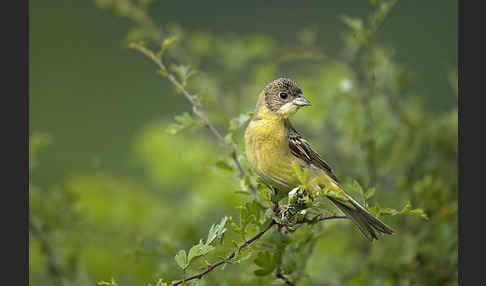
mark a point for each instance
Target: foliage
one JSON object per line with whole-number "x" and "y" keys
{"x": 384, "y": 143}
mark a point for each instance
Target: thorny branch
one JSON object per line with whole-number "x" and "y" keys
{"x": 197, "y": 107}
{"x": 230, "y": 256}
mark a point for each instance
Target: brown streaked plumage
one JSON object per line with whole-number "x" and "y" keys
{"x": 273, "y": 146}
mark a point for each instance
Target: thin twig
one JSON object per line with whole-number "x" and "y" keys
{"x": 279, "y": 275}
{"x": 199, "y": 111}
{"x": 230, "y": 256}
{"x": 278, "y": 269}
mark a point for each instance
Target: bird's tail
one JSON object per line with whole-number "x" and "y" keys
{"x": 368, "y": 224}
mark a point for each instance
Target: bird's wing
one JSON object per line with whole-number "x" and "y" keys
{"x": 366, "y": 222}
{"x": 300, "y": 148}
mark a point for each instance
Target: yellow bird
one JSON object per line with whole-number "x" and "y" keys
{"x": 273, "y": 146}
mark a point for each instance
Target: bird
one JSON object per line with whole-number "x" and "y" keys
{"x": 273, "y": 146}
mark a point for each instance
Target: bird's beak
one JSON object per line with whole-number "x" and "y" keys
{"x": 301, "y": 101}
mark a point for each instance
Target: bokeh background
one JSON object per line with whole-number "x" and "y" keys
{"x": 114, "y": 195}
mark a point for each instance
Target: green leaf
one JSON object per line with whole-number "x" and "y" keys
{"x": 161, "y": 282}
{"x": 334, "y": 194}
{"x": 235, "y": 227}
{"x": 355, "y": 24}
{"x": 111, "y": 283}
{"x": 293, "y": 196}
{"x": 249, "y": 214}
{"x": 228, "y": 139}
{"x": 216, "y": 231}
{"x": 267, "y": 263}
{"x": 380, "y": 13}
{"x": 134, "y": 35}
{"x": 241, "y": 256}
{"x": 357, "y": 187}
{"x": 168, "y": 43}
{"x": 183, "y": 72}
{"x": 419, "y": 213}
{"x": 183, "y": 121}
{"x": 223, "y": 165}
{"x": 374, "y": 210}
{"x": 369, "y": 193}
{"x": 239, "y": 121}
{"x": 197, "y": 251}
{"x": 181, "y": 259}
{"x": 407, "y": 209}
{"x": 388, "y": 211}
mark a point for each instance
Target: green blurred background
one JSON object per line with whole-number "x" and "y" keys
{"x": 113, "y": 195}
{"x": 92, "y": 94}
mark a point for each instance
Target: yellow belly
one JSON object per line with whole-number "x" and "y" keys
{"x": 269, "y": 155}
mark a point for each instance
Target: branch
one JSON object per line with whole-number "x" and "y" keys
{"x": 279, "y": 275}
{"x": 157, "y": 59}
{"x": 278, "y": 270}
{"x": 230, "y": 256}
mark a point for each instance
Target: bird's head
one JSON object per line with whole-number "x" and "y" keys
{"x": 283, "y": 97}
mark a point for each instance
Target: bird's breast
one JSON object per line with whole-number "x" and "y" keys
{"x": 268, "y": 153}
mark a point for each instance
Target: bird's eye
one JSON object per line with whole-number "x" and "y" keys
{"x": 283, "y": 95}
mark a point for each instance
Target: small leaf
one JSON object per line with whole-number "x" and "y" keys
{"x": 111, "y": 283}
{"x": 357, "y": 187}
{"x": 266, "y": 261}
{"x": 181, "y": 259}
{"x": 263, "y": 259}
{"x": 197, "y": 251}
{"x": 355, "y": 24}
{"x": 228, "y": 139}
{"x": 216, "y": 231}
{"x": 168, "y": 43}
{"x": 388, "y": 211}
{"x": 239, "y": 121}
{"x": 183, "y": 73}
{"x": 249, "y": 214}
{"x": 242, "y": 192}
{"x": 374, "y": 210}
{"x": 334, "y": 194}
{"x": 419, "y": 213}
{"x": 369, "y": 193}
{"x": 161, "y": 282}
{"x": 241, "y": 257}
{"x": 293, "y": 195}
{"x": 407, "y": 209}
{"x": 223, "y": 165}
{"x": 183, "y": 121}
{"x": 235, "y": 227}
